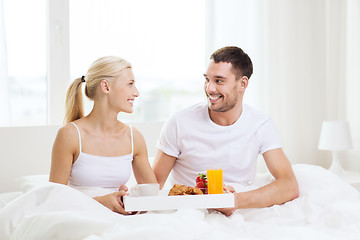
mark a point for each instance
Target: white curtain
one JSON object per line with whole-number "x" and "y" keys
{"x": 305, "y": 68}
{"x": 4, "y": 93}
{"x": 352, "y": 77}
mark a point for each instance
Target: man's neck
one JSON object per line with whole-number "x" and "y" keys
{"x": 226, "y": 118}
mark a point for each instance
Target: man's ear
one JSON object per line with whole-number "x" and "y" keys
{"x": 244, "y": 81}
{"x": 105, "y": 86}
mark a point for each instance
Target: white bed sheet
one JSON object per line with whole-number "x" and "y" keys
{"x": 328, "y": 208}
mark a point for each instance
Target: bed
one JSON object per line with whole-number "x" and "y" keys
{"x": 33, "y": 208}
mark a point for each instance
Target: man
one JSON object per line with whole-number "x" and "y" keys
{"x": 226, "y": 134}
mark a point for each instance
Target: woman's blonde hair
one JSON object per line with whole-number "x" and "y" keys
{"x": 105, "y": 67}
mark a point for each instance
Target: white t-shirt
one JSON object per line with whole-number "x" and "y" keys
{"x": 200, "y": 144}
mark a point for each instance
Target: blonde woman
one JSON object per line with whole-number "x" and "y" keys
{"x": 98, "y": 150}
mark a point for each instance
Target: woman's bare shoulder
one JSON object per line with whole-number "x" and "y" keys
{"x": 66, "y": 141}
{"x": 68, "y": 131}
{"x": 137, "y": 134}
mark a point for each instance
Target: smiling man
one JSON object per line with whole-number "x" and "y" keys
{"x": 226, "y": 134}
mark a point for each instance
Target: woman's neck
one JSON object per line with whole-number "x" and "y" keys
{"x": 103, "y": 119}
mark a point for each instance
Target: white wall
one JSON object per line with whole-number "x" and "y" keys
{"x": 24, "y": 151}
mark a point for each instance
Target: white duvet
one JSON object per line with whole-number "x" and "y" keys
{"x": 328, "y": 208}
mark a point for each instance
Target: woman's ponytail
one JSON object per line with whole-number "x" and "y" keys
{"x": 74, "y": 108}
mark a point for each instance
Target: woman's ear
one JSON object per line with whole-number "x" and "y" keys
{"x": 105, "y": 86}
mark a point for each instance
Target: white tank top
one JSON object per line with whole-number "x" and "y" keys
{"x": 99, "y": 171}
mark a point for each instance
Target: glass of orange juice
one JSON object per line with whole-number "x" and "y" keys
{"x": 215, "y": 181}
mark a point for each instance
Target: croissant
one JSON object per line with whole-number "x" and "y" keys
{"x": 178, "y": 189}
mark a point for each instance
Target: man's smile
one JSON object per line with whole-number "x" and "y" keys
{"x": 214, "y": 98}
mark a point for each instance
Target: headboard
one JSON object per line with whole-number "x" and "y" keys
{"x": 27, "y": 150}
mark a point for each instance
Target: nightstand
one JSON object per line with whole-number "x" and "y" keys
{"x": 353, "y": 178}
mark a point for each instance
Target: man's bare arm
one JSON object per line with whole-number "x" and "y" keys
{"x": 284, "y": 188}
{"x": 163, "y": 164}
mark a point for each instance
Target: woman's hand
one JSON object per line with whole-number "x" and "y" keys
{"x": 113, "y": 201}
{"x": 123, "y": 187}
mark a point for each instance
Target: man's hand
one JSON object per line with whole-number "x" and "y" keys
{"x": 113, "y": 201}
{"x": 228, "y": 211}
{"x": 229, "y": 189}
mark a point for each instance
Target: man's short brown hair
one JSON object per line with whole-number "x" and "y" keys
{"x": 240, "y": 61}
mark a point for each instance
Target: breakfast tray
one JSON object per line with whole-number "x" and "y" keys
{"x": 150, "y": 203}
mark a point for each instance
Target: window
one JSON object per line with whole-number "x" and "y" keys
{"x": 163, "y": 40}
{"x": 25, "y": 36}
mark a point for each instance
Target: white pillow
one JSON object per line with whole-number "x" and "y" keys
{"x": 8, "y": 197}
{"x": 27, "y": 183}
{"x": 321, "y": 185}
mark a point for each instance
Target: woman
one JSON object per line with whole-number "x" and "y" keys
{"x": 97, "y": 150}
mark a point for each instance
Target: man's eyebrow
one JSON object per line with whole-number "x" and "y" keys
{"x": 218, "y": 77}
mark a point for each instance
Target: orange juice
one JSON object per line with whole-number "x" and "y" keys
{"x": 215, "y": 181}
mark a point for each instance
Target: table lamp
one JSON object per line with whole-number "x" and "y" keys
{"x": 335, "y": 136}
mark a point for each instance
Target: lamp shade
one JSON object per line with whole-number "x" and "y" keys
{"x": 335, "y": 135}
